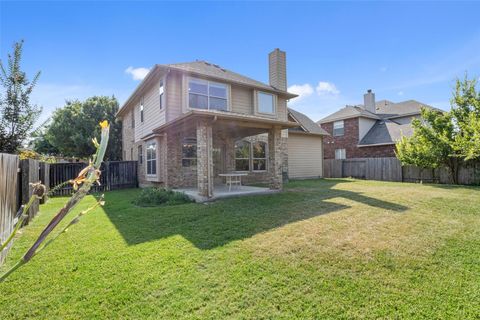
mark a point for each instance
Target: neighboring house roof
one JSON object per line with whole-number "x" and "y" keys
{"x": 348, "y": 112}
{"x": 207, "y": 69}
{"x": 385, "y": 109}
{"x": 307, "y": 124}
{"x": 386, "y": 132}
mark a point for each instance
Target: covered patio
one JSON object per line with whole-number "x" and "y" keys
{"x": 202, "y": 145}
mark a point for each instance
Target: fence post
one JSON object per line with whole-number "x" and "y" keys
{"x": 45, "y": 179}
{"x": 107, "y": 172}
{"x": 30, "y": 174}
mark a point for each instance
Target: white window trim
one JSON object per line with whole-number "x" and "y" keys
{"x": 266, "y": 156}
{"x": 154, "y": 159}
{"x": 257, "y": 109}
{"x": 344, "y": 154}
{"x": 342, "y": 127}
{"x": 142, "y": 111}
{"x": 228, "y": 98}
{"x": 251, "y": 158}
{"x": 163, "y": 101}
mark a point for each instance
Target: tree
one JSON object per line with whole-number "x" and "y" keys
{"x": 17, "y": 114}
{"x": 445, "y": 138}
{"x": 66, "y": 133}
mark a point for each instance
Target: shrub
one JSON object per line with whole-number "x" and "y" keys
{"x": 150, "y": 197}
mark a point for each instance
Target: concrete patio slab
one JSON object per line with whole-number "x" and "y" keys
{"x": 220, "y": 192}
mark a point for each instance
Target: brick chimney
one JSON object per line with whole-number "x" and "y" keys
{"x": 369, "y": 101}
{"x": 277, "y": 67}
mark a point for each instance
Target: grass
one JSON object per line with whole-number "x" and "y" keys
{"x": 323, "y": 249}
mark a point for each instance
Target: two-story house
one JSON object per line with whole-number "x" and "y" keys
{"x": 186, "y": 123}
{"x": 369, "y": 130}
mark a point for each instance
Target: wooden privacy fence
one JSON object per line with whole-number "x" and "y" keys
{"x": 17, "y": 175}
{"x": 390, "y": 169}
{"x": 115, "y": 175}
{"x": 8, "y": 196}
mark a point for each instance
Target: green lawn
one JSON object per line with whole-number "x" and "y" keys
{"x": 322, "y": 249}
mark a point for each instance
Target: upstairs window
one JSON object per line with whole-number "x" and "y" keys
{"x": 242, "y": 156}
{"x": 141, "y": 111}
{"x": 259, "y": 156}
{"x": 265, "y": 102}
{"x": 207, "y": 95}
{"x": 338, "y": 129}
{"x": 152, "y": 158}
{"x": 189, "y": 152}
{"x": 161, "y": 91}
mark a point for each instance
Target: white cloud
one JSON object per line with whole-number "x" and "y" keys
{"x": 327, "y": 89}
{"x": 137, "y": 73}
{"x": 400, "y": 93}
{"x": 303, "y": 91}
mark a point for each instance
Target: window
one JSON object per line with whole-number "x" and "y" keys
{"x": 203, "y": 94}
{"x": 340, "y": 154}
{"x": 242, "y": 156}
{"x": 152, "y": 158}
{"x": 265, "y": 102}
{"x": 338, "y": 128}
{"x": 259, "y": 156}
{"x": 141, "y": 111}
{"x": 133, "y": 119}
{"x": 140, "y": 154}
{"x": 189, "y": 152}
{"x": 161, "y": 90}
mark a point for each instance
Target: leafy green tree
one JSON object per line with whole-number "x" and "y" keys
{"x": 466, "y": 112}
{"x": 445, "y": 138}
{"x": 71, "y": 125}
{"x": 17, "y": 114}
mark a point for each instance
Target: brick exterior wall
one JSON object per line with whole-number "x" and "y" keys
{"x": 349, "y": 142}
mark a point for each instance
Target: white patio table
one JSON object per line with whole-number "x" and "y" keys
{"x": 232, "y": 178}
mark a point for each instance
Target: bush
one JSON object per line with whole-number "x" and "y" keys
{"x": 150, "y": 197}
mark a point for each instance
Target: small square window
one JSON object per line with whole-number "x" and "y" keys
{"x": 265, "y": 102}
{"x": 340, "y": 154}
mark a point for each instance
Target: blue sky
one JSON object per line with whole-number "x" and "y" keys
{"x": 335, "y": 50}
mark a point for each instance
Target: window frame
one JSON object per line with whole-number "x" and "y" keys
{"x": 152, "y": 159}
{"x": 254, "y": 158}
{"x": 141, "y": 111}
{"x": 140, "y": 154}
{"x": 274, "y": 102}
{"x": 161, "y": 93}
{"x": 193, "y": 160}
{"x": 343, "y": 154}
{"x": 208, "y": 95}
{"x": 342, "y": 128}
{"x": 249, "y": 155}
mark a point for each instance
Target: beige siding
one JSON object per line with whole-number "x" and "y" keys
{"x": 153, "y": 116}
{"x": 174, "y": 96}
{"x": 242, "y": 100}
{"x": 305, "y": 156}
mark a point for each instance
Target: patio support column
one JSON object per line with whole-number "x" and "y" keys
{"x": 275, "y": 158}
{"x": 204, "y": 158}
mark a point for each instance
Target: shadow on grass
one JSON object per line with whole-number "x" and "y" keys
{"x": 208, "y": 226}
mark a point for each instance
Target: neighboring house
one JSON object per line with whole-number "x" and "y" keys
{"x": 188, "y": 122}
{"x": 369, "y": 130}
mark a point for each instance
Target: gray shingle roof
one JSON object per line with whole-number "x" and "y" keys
{"x": 349, "y": 112}
{"x": 308, "y": 124}
{"x": 215, "y": 71}
{"x": 386, "y": 131}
